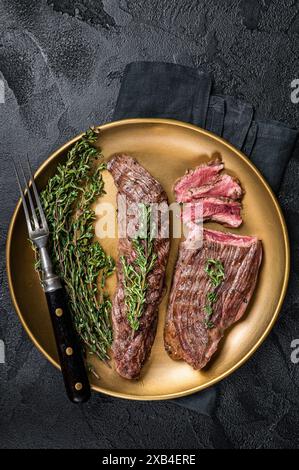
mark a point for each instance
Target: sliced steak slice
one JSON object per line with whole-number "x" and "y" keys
{"x": 223, "y": 211}
{"x": 217, "y": 192}
{"x": 223, "y": 185}
{"x": 131, "y": 348}
{"x": 203, "y": 174}
{"x": 186, "y": 334}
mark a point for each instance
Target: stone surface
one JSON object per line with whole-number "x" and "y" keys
{"x": 62, "y": 62}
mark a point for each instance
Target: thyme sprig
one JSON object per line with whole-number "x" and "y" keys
{"x": 78, "y": 259}
{"x": 135, "y": 273}
{"x": 215, "y": 271}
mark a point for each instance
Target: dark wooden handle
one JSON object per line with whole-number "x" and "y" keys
{"x": 68, "y": 346}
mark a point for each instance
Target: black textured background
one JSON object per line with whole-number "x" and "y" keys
{"x": 62, "y": 63}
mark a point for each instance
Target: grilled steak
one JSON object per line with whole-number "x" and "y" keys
{"x": 187, "y": 335}
{"x": 132, "y": 347}
{"x": 203, "y": 174}
{"x": 224, "y": 211}
{"x": 222, "y": 186}
{"x": 217, "y": 192}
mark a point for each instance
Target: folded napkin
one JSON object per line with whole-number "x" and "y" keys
{"x": 153, "y": 89}
{"x": 156, "y": 89}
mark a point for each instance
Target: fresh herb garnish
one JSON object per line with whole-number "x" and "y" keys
{"x": 215, "y": 271}
{"x": 79, "y": 260}
{"x": 135, "y": 272}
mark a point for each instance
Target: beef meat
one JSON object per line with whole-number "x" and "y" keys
{"x": 221, "y": 210}
{"x": 203, "y": 174}
{"x": 131, "y": 348}
{"x": 217, "y": 192}
{"x": 223, "y": 185}
{"x": 186, "y": 334}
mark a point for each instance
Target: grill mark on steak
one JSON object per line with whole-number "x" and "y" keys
{"x": 131, "y": 349}
{"x": 185, "y": 334}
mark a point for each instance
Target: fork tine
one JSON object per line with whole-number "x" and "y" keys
{"x": 41, "y": 212}
{"x": 36, "y": 222}
{"x": 27, "y": 217}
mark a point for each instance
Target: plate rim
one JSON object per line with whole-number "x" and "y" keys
{"x": 190, "y": 391}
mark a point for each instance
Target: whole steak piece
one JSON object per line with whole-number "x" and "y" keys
{"x": 133, "y": 335}
{"x": 198, "y": 312}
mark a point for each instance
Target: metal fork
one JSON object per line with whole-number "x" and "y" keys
{"x": 68, "y": 347}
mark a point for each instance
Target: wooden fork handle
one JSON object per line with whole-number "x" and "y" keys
{"x": 68, "y": 346}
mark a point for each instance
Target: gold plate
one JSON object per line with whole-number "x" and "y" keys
{"x": 166, "y": 148}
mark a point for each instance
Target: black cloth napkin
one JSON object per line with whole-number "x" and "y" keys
{"x": 157, "y": 89}
{"x": 165, "y": 90}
